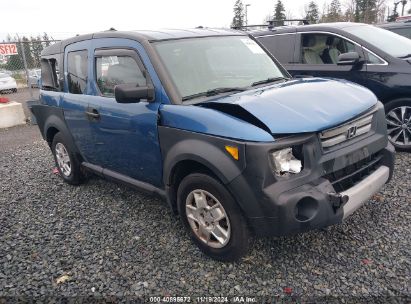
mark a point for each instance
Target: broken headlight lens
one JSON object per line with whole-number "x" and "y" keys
{"x": 285, "y": 162}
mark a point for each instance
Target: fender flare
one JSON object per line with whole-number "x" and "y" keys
{"x": 52, "y": 117}
{"x": 208, "y": 153}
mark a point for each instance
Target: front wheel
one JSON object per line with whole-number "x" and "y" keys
{"x": 399, "y": 123}
{"x": 212, "y": 217}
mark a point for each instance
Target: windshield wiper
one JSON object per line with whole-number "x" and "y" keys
{"x": 215, "y": 91}
{"x": 268, "y": 80}
{"x": 405, "y": 57}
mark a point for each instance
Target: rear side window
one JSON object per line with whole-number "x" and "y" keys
{"x": 114, "y": 70}
{"x": 49, "y": 73}
{"x": 281, "y": 46}
{"x": 77, "y": 72}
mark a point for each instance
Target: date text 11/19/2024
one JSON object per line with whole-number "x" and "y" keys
{"x": 202, "y": 299}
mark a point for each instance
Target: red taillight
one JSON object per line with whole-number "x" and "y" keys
{"x": 4, "y": 100}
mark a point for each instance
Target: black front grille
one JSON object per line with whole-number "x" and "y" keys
{"x": 347, "y": 177}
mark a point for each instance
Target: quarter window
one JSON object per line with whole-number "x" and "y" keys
{"x": 323, "y": 48}
{"x": 372, "y": 59}
{"x": 49, "y": 74}
{"x": 114, "y": 70}
{"x": 281, "y": 46}
{"x": 77, "y": 72}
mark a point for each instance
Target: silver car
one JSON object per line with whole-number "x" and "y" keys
{"x": 34, "y": 78}
{"x": 7, "y": 83}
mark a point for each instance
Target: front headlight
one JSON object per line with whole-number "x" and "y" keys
{"x": 285, "y": 162}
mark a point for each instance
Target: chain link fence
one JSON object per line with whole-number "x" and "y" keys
{"x": 20, "y": 59}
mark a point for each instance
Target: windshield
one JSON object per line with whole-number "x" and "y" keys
{"x": 203, "y": 64}
{"x": 389, "y": 42}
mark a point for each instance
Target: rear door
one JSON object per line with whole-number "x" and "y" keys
{"x": 75, "y": 99}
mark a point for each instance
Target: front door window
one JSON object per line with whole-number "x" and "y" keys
{"x": 323, "y": 48}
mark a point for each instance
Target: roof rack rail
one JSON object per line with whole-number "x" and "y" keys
{"x": 271, "y": 24}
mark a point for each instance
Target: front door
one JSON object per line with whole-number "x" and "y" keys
{"x": 126, "y": 136}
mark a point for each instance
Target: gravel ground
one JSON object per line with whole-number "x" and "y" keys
{"x": 101, "y": 239}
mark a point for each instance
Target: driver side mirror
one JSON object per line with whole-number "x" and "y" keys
{"x": 351, "y": 58}
{"x": 130, "y": 93}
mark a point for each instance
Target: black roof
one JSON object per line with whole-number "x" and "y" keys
{"x": 143, "y": 36}
{"x": 310, "y": 27}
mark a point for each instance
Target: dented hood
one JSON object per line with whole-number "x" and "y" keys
{"x": 303, "y": 105}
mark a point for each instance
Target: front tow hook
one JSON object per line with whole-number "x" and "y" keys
{"x": 337, "y": 200}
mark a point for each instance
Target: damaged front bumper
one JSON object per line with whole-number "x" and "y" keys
{"x": 332, "y": 185}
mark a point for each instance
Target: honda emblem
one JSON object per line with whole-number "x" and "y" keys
{"x": 352, "y": 131}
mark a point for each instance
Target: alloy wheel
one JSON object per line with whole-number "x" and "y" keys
{"x": 63, "y": 159}
{"x": 399, "y": 125}
{"x": 208, "y": 219}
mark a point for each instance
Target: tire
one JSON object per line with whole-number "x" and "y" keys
{"x": 14, "y": 90}
{"x": 66, "y": 161}
{"x": 234, "y": 243}
{"x": 398, "y": 117}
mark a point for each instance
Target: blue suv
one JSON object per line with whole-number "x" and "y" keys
{"x": 209, "y": 121}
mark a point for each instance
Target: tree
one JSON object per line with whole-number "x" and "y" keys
{"x": 313, "y": 14}
{"x": 349, "y": 14}
{"x": 279, "y": 13}
{"x": 334, "y": 11}
{"x": 367, "y": 11}
{"x": 46, "y": 39}
{"x": 239, "y": 16}
{"x": 36, "y": 48}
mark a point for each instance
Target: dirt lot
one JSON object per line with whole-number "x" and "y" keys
{"x": 101, "y": 239}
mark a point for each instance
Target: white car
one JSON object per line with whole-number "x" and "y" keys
{"x": 7, "y": 83}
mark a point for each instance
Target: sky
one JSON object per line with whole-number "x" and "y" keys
{"x": 63, "y": 19}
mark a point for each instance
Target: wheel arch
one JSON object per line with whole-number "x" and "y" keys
{"x": 186, "y": 152}
{"x": 395, "y": 98}
{"x": 50, "y": 133}
{"x": 51, "y": 121}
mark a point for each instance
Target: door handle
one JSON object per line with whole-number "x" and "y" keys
{"x": 93, "y": 114}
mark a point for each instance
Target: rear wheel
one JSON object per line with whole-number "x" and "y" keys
{"x": 212, "y": 217}
{"x": 67, "y": 163}
{"x": 399, "y": 123}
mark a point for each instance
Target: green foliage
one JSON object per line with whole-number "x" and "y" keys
{"x": 366, "y": 11}
{"x": 36, "y": 48}
{"x": 279, "y": 13}
{"x": 335, "y": 12}
{"x": 313, "y": 14}
{"x": 239, "y": 16}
